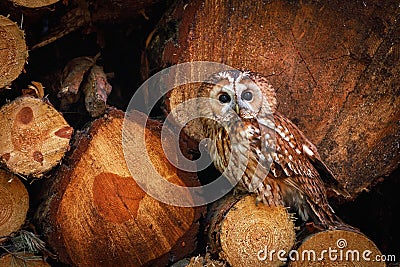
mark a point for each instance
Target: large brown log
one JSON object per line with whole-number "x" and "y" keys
{"x": 95, "y": 214}
{"x": 33, "y": 137}
{"x": 13, "y": 51}
{"x": 334, "y": 64}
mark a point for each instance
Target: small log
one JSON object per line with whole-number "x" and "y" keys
{"x": 13, "y": 52}
{"x": 86, "y": 15}
{"x": 72, "y": 78}
{"x": 34, "y": 3}
{"x": 81, "y": 76}
{"x": 332, "y": 63}
{"x": 33, "y": 137}
{"x": 23, "y": 259}
{"x": 14, "y": 205}
{"x": 97, "y": 215}
{"x": 240, "y": 231}
{"x": 96, "y": 90}
{"x": 336, "y": 248}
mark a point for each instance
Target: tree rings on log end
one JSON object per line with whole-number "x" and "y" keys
{"x": 33, "y": 137}
{"x": 13, "y": 51}
{"x": 14, "y": 203}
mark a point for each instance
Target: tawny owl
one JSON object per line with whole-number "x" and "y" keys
{"x": 250, "y": 142}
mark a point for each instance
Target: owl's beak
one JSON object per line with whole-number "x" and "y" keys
{"x": 237, "y": 110}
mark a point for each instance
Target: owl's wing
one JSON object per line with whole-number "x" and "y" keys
{"x": 297, "y": 156}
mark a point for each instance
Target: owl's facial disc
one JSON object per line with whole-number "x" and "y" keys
{"x": 249, "y": 98}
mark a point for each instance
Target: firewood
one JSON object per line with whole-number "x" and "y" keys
{"x": 84, "y": 14}
{"x": 34, "y": 3}
{"x": 13, "y": 53}
{"x": 333, "y": 69}
{"x": 97, "y": 215}
{"x": 336, "y": 248}
{"x": 33, "y": 137}
{"x": 239, "y": 231}
{"x": 96, "y": 90}
{"x": 82, "y": 78}
{"x": 14, "y": 201}
{"x": 72, "y": 78}
{"x": 23, "y": 259}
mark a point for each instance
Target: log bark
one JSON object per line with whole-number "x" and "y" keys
{"x": 334, "y": 66}
{"x": 81, "y": 76}
{"x": 239, "y": 231}
{"x": 34, "y": 3}
{"x": 14, "y": 201}
{"x": 85, "y": 15}
{"x": 337, "y": 248}
{"x": 22, "y": 259}
{"x": 97, "y": 215}
{"x": 33, "y": 137}
{"x": 13, "y": 52}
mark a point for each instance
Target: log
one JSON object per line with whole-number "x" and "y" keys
{"x": 332, "y": 63}
{"x": 87, "y": 15}
{"x": 33, "y": 137}
{"x": 95, "y": 213}
{"x": 336, "y": 248}
{"x": 239, "y": 231}
{"x": 81, "y": 76}
{"x": 23, "y": 259}
{"x": 96, "y": 90}
{"x": 14, "y": 201}
{"x": 13, "y": 52}
{"x": 34, "y": 3}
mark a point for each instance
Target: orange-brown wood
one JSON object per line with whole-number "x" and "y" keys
{"x": 97, "y": 215}
{"x": 332, "y": 63}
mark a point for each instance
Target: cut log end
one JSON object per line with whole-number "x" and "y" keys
{"x": 13, "y": 52}
{"x": 34, "y": 3}
{"x": 98, "y": 202}
{"x": 248, "y": 231}
{"x": 14, "y": 201}
{"x": 33, "y": 137}
{"x": 337, "y": 248}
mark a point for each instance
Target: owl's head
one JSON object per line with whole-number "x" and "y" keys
{"x": 236, "y": 93}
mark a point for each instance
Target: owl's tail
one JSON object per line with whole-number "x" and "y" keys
{"x": 325, "y": 217}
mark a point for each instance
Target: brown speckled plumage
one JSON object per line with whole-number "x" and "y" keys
{"x": 269, "y": 155}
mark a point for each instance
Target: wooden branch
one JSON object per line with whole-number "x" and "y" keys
{"x": 239, "y": 229}
{"x": 333, "y": 69}
{"x": 96, "y": 90}
{"x": 13, "y": 51}
{"x": 97, "y": 215}
{"x": 14, "y": 201}
{"x": 33, "y": 137}
{"x": 34, "y": 3}
{"x": 84, "y": 14}
{"x": 337, "y": 248}
{"x": 82, "y": 78}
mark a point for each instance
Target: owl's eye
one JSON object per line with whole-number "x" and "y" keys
{"x": 224, "y": 98}
{"x": 247, "y": 96}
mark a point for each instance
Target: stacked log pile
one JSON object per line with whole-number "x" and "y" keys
{"x": 68, "y": 192}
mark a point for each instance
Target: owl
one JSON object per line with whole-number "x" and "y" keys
{"x": 261, "y": 150}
